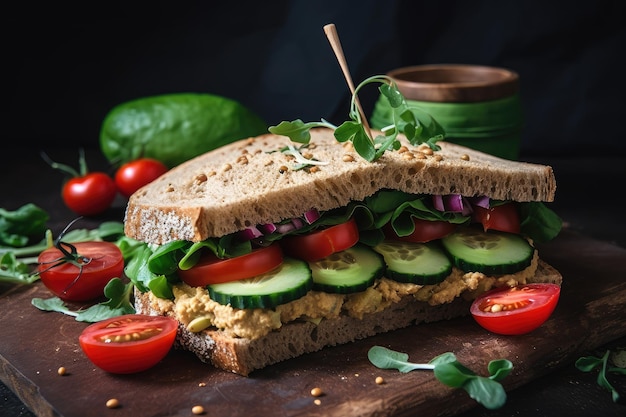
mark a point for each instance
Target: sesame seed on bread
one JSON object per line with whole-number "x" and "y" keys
{"x": 251, "y": 182}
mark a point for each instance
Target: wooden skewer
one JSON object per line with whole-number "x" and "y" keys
{"x": 333, "y": 38}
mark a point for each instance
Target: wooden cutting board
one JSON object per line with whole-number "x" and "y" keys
{"x": 590, "y": 313}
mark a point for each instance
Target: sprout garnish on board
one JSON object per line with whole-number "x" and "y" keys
{"x": 486, "y": 390}
{"x": 418, "y": 126}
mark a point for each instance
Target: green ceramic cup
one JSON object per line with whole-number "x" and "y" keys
{"x": 478, "y": 106}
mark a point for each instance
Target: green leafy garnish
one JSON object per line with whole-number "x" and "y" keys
{"x": 119, "y": 303}
{"x": 590, "y": 363}
{"x": 485, "y": 390}
{"x": 19, "y": 226}
{"x": 418, "y": 126}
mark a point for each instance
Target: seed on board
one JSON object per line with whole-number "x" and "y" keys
{"x": 317, "y": 401}
{"x": 113, "y": 403}
{"x": 465, "y": 157}
{"x": 62, "y": 371}
{"x": 380, "y": 380}
{"x": 283, "y": 169}
{"x": 197, "y": 410}
{"x": 317, "y": 392}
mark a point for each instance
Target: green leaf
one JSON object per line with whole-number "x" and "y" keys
{"x": 15, "y": 271}
{"x": 164, "y": 260}
{"x": 19, "y": 226}
{"x": 499, "y": 369}
{"x": 446, "y": 368}
{"x": 297, "y": 130}
{"x": 539, "y": 222}
{"x": 385, "y": 358}
{"x": 453, "y": 374}
{"x": 392, "y": 94}
{"x": 589, "y": 363}
{"x": 119, "y": 303}
{"x": 486, "y": 392}
{"x": 52, "y": 304}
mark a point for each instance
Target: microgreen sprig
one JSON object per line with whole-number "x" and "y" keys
{"x": 418, "y": 126}
{"x": 589, "y": 363}
{"x": 485, "y": 390}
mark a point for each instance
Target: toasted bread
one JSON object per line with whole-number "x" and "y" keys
{"x": 250, "y": 182}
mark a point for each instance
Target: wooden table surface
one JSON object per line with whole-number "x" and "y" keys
{"x": 593, "y": 225}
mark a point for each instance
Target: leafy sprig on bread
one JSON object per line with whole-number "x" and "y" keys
{"x": 418, "y": 126}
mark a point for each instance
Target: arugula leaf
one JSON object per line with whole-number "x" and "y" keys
{"x": 539, "y": 222}
{"x": 18, "y": 227}
{"x": 119, "y": 303}
{"x": 14, "y": 271}
{"x": 485, "y": 390}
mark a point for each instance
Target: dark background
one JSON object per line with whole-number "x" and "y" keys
{"x": 66, "y": 65}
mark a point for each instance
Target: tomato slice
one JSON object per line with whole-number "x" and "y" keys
{"x": 129, "y": 343}
{"x": 321, "y": 243}
{"x": 515, "y": 310}
{"x": 425, "y": 231}
{"x": 100, "y": 261}
{"x": 504, "y": 217}
{"x": 213, "y": 270}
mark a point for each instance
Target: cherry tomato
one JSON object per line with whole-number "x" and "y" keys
{"x": 90, "y": 194}
{"x": 504, "y": 218}
{"x": 515, "y": 310}
{"x": 100, "y": 261}
{"x": 322, "y": 243}
{"x": 129, "y": 343}
{"x": 425, "y": 231}
{"x": 213, "y": 270}
{"x": 135, "y": 174}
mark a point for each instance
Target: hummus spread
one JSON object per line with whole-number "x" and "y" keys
{"x": 194, "y": 308}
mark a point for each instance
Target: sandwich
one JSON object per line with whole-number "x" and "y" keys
{"x": 265, "y": 251}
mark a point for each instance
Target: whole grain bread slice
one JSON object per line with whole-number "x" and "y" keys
{"x": 243, "y": 356}
{"x": 251, "y": 182}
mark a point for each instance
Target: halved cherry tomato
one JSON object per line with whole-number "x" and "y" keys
{"x": 213, "y": 270}
{"x": 322, "y": 243}
{"x": 515, "y": 310}
{"x": 135, "y": 174}
{"x": 129, "y": 343}
{"x": 100, "y": 261}
{"x": 90, "y": 194}
{"x": 425, "y": 231}
{"x": 504, "y": 217}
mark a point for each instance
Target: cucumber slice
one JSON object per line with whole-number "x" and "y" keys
{"x": 290, "y": 281}
{"x": 348, "y": 271}
{"x": 416, "y": 263}
{"x": 491, "y": 252}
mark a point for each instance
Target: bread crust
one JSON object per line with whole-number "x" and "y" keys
{"x": 245, "y": 183}
{"x": 243, "y": 356}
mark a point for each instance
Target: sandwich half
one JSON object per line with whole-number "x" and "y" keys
{"x": 265, "y": 251}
